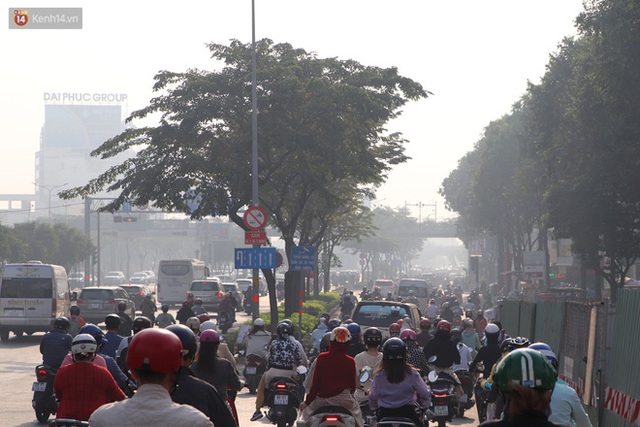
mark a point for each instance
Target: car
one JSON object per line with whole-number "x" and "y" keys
{"x": 209, "y": 291}
{"x": 244, "y": 284}
{"x": 386, "y": 286}
{"x": 140, "y": 277}
{"x": 381, "y": 314}
{"x": 114, "y": 278}
{"x": 76, "y": 280}
{"x": 235, "y": 292}
{"x": 151, "y": 276}
{"x": 137, "y": 292}
{"x": 97, "y": 301}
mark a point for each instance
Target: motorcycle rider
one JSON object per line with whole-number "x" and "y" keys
{"x": 394, "y": 330}
{"x": 355, "y": 344}
{"x": 56, "y": 343}
{"x": 445, "y": 351}
{"x": 368, "y": 359}
{"x": 334, "y": 379}
{"x": 82, "y": 387}
{"x": 148, "y": 307}
{"x": 126, "y": 323}
{"x": 424, "y": 336}
{"x": 165, "y": 319}
{"x": 154, "y": 358}
{"x": 432, "y": 310}
{"x": 184, "y": 313}
{"x": 465, "y": 352}
{"x": 488, "y": 355}
{"x": 112, "y": 342}
{"x": 566, "y": 407}
{"x": 223, "y": 348}
{"x": 415, "y": 355}
{"x": 447, "y": 312}
{"x": 528, "y": 379}
{"x": 257, "y": 340}
{"x": 396, "y": 386}
{"x": 324, "y": 346}
{"x": 318, "y": 333}
{"x": 121, "y": 354}
{"x": 198, "y": 308}
{"x": 469, "y": 336}
{"x": 193, "y": 323}
{"x": 193, "y": 391}
{"x": 283, "y": 357}
{"x": 75, "y": 321}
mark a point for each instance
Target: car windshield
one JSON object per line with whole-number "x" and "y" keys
{"x": 229, "y": 287}
{"x": 418, "y": 287}
{"x": 380, "y": 316}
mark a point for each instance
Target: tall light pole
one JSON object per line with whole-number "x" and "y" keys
{"x": 49, "y": 190}
{"x": 255, "y": 305}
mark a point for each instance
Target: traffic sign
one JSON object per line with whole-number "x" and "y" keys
{"x": 255, "y": 218}
{"x": 250, "y": 258}
{"x": 303, "y": 258}
{"x": 255, "y": 237}
{"x": 279, "y": 259}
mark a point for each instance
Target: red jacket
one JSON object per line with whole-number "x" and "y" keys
{"x": 82, "y": 388}
{"x": 335, "y": 372}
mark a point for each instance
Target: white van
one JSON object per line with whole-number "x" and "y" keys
{"x": 32, "y": 296}
{"x": 420, "y": 288}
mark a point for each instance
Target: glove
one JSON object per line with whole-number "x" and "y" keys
{"x": 487, "y": 385}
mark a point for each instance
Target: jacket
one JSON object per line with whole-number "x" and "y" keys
{"x": 54, "y": 347}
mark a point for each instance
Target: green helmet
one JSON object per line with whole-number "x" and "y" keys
{"x": 525, "y": 367}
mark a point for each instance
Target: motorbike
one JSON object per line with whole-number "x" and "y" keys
{"x": 331, "y": 416}
{"x": 224, "y": 322}
{"x": 68, "y": 422}
{"x": 465, "y": 402}
{"x": 44, "y": 401}
{"x": 284, "y": 396}
{"x": 253, "y": 371}
{"x": 444, "y": 404}
{"x": 247, "y": 305}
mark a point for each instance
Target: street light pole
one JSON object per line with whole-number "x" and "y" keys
{"x": 255, "y": 304}
{"x": 49, "y": 190}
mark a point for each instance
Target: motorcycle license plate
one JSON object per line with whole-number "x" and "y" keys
{"x": 281, "y": 399}
{"x": 38, "y": 386}
{"x": 251, "y": 370}
{"x": 441, "y": 411}
{"x": 464, "y": 398}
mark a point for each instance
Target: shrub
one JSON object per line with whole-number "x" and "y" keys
{"x": 313, "y": 307}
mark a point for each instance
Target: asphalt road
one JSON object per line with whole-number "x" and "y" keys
{"x": 20, "y": 355}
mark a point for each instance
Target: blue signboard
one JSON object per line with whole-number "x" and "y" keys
{"x": 249, "y": 258}
{"x": 303, "y": 258}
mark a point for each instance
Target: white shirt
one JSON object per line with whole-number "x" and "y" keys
{"x": 151, "y": 406}
{"x": 465, "y": 357}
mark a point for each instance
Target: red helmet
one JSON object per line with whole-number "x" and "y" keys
{"x": 425, "y": 324}
{"x": 156, "y": 350}
{"x": 408, "y": 334}
{"x": 394, "y": 328}
{"x": 400, "y": 322}
{"x": 444, "y": 325}
{"x": 203, "y": 317}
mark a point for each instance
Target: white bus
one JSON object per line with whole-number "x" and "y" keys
{"x": 175, "y": 277}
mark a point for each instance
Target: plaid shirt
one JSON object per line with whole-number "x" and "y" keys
{"x": 82, "y": 388}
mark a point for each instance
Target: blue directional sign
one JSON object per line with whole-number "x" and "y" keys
{"x": 249, "y": 258}
{"x": 303, "y": 258}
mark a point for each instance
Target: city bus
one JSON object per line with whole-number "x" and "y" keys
{"x": 175, "y": 277}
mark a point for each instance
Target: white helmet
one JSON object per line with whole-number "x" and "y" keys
{"x": 84, "y": 344}
{"x": 193, "y": 323}
{"x": 209, "y": 324}
{"x": 258, "y": 322}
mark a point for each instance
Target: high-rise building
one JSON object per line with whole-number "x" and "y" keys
{"x": 69, "y": 134}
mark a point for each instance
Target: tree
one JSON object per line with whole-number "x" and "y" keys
{"x": 321, "y": 131}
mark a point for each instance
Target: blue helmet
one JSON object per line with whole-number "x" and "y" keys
{"x": 354, "y": 329}
{"x": 546, "y": 351}
{"x": 95, "y": 332}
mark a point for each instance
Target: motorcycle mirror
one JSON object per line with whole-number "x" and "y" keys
{"x": 433, "y": 376}
{"x": 301, "y": 370}
{"x": 364, "y": 376}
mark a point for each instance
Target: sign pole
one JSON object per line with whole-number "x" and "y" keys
{"x": 255, "y": 306}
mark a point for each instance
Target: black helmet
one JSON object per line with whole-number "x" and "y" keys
{"x": 75, "y": 310}
{"x": 141, "y": 323}
{"x": 519, "y": 342}
{"x": 122, "y": 306}
{"x": 333, "y": 323}
{"x": 372, "y": 337}
{"x": 283, "y": 329}
{"x": 187, "y": 338}
{"x": 324, "y": 342}
{"x": 112, "y": 321}
{"x": 61, "y": 323}
{"x": 290, "y": 323}
{"x": 394, "y": 349}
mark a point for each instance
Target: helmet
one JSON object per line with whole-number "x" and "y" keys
{"x": 456, "y": 334}
{"x": 394, "y": 349}
{"x": 444, "y": 325}
{"x": 83, "y": 344}
{"x": 185, "y": 303}
{"x": 354, "y": 329}
{"x": 528, "y": 368}
{"x": 165, "y": 307}
{"x": 324, "y": 341}
{"x": 122, "y": 306}
{"x": 333, "y": 323}
{"x": 519, "y": 342}
{"x": 348, "y": 321}
{"x": 75, "y": 310}
{"x": 491, "y": 329}
{"x": 61, "y": 323}
{"x": 408, "y": 334}
{"x": 198, "y": 301}
{"x": 156, "y": 350}
{"x": 394, "y": 329}
{"x": 425, "y": 324}
{"x": 445, "y": 305}
{"x": 187, "y": 338}
{"x": 340, "y": 335}
{"x": 283, "y": 329}
{"x": 467, "y": 323}
{"x": 203, "y": 317}
{"x": 95, "y": 332}
{"x": 210, "y": 336}
{"x": 372, "y": 337}
{"x": 546, "y": 351}
{"x": 400, "y": 322}
{"x": 112, "y": 321}
{"x": 140, "y": 323}
{"x": 209, "y": 324}
{"x": 193, "y": 323}
{"x": 290, "y": 323}
{"x": 258, "y": 322}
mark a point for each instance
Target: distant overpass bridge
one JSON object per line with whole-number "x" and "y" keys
{"x": 432, "y": 230}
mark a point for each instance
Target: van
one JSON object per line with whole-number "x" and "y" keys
{"x": 32, "y": 296}
{"x": 419, "y": 287}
